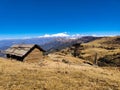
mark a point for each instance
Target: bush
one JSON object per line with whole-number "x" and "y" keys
{"x": 108, "y": 61}
{"x": 65, "y": 61}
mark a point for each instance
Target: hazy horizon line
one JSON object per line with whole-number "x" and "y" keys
{"x": 63, "y": 34}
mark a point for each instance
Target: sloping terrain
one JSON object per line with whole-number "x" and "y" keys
{"x": 52, "y": 75}
{"x": 105, "y": 51}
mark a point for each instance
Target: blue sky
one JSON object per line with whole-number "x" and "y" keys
{"x": 21, "y": 18}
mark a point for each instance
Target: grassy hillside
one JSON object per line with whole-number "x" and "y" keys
{"x": 56, "y": 75}
{"x": 105, "y": 50}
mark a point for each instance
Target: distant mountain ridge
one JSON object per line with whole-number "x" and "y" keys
{"x": 63, "y": 43}
{"x": 47, "y": 43}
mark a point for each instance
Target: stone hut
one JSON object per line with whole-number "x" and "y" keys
{"x": 25, "y": 52}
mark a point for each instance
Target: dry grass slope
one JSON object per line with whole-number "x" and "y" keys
{"x": 50, "y": 75}
{"x": 107, "y": 49}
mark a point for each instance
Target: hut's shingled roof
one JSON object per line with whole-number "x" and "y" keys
{"x": 21, "y": 50}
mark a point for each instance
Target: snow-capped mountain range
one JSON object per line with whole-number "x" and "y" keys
{"x": 48, "y": 42}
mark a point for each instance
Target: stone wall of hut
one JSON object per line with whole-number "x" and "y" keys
{"x": 34, "y": 56}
